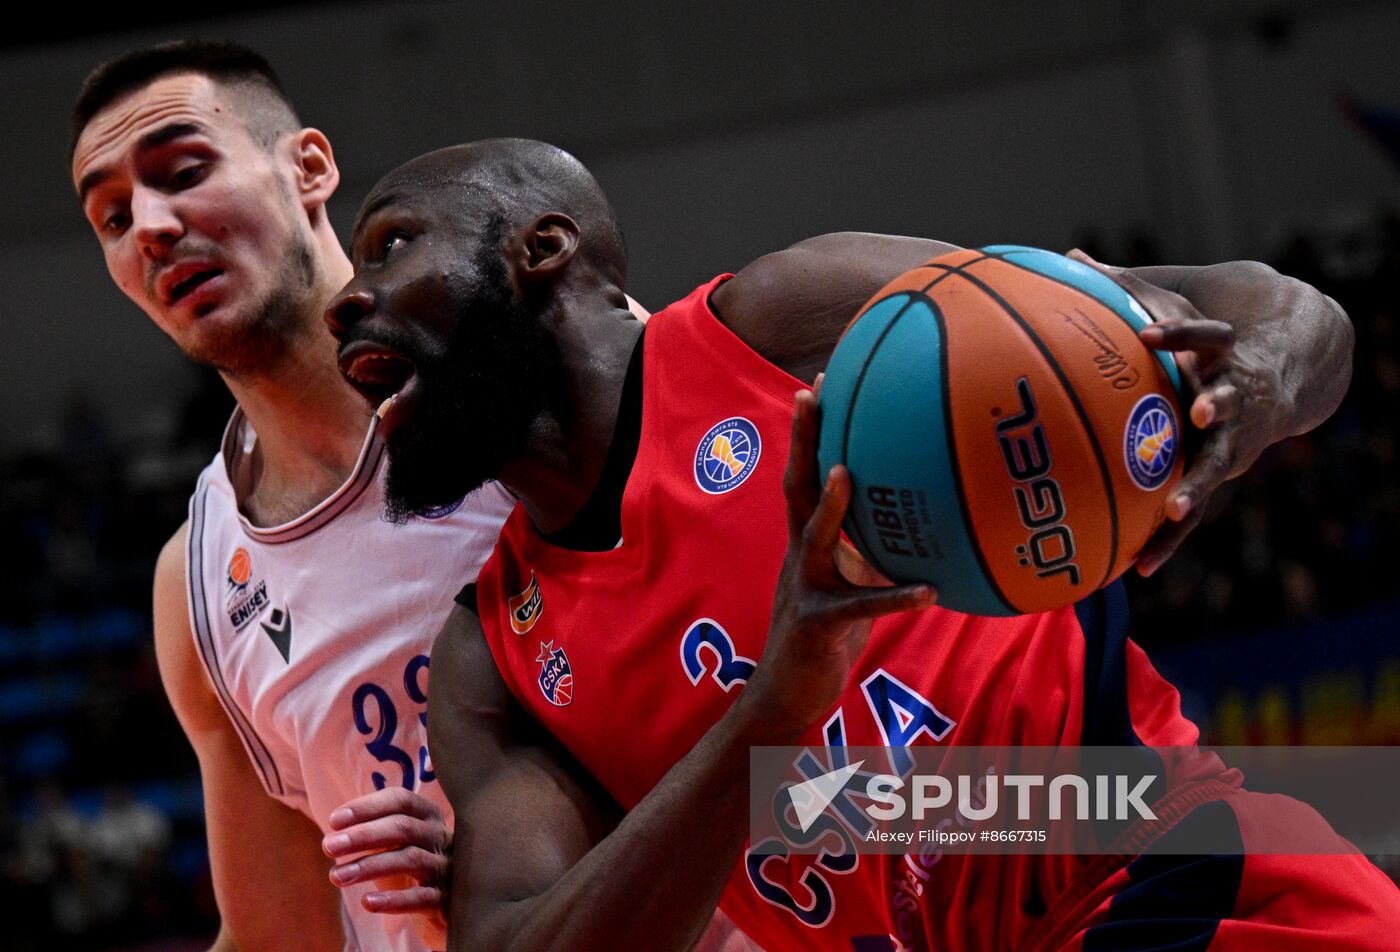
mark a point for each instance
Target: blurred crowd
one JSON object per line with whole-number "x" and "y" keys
{"x": 101, "y": 843}
{"x": 101, "y": 837}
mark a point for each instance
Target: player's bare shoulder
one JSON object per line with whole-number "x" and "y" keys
{"x": 186, "y": 684}
{"x": 171, "y": 617}
{"x": 792, "y": 305}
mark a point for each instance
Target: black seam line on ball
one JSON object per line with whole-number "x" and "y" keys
{"x": 952, "y": 445}
{"x": 1083, "y": 420}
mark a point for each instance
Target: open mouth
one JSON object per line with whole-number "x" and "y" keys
{"x": 190, "y": 281}
{"x": 376, "y": 372}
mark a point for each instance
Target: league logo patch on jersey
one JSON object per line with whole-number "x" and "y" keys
{"x": 1150, "y": 442}
{"x": 556, "y": 677}
{"x": 244, "y": 598}
{"x": 526, "y": 607}
{"x": 727, "y": 455}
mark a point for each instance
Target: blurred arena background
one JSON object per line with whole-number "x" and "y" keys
{"x": 1142, "y": 132}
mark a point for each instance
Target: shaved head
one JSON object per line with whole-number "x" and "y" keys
{"x": 512, "y": 181}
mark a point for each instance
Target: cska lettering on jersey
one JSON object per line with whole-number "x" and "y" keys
{"x": 903, "y": 718}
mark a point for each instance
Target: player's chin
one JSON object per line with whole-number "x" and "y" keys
{"x": 422, "y": 482}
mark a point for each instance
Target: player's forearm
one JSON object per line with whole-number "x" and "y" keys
{"x": 1308, "y": 337}
{"x": 654, "y": 881}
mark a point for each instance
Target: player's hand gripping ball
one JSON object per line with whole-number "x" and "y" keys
{"x": 1009, "y": 438}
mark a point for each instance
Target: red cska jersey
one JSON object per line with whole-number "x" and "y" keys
{"x": 629, "y": 656}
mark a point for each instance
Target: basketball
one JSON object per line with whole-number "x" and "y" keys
{"x": 1009, "y": 438}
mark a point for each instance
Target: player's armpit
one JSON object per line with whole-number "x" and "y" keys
{"x": 792, "y": 306}
{"x": 268, "y": 870}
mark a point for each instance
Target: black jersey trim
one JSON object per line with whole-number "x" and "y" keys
{"x": 597, "y": 527}
{"x": 258, "y": 752}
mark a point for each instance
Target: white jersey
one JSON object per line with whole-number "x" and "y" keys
{"x": 316, "y": 636}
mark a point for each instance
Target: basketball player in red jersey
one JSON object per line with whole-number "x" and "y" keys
{"x": 631, "y": 592}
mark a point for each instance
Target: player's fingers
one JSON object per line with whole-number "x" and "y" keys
{"x": 1211, "y": 339}
{"x": 800, "y": 478}
{"x": 862, "y": 603}
{"x": 856, "y": 570}
{"x": 1078, "y": 255}
{"x": 381, "y": 803}
{"x": 823, "y": 530}
{"x": 1165, "y": 306}
{"x": 418, "y": 899}
{"x": 1215, "y": 405}
{"x": 1211, "y": 467}
{"x": 390, "y": 832}
{"x": 1165, "y": 542}
{"x": 421, "y": 865}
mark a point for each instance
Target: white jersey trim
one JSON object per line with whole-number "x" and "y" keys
{"x": 361, "y": 477}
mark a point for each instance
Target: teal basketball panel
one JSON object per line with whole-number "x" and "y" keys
{"x": 1093, "y": 283}
{"x": 906, "y": 512}
{"x": 842, "y": 371}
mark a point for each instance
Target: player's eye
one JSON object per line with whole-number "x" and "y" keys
{"x": 392, "y": 241}
{"x": 187, "y": 175}
{"x": 115, "y": 223}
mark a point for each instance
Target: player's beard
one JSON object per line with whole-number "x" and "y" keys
{"x": 262, "y": 337}
{"x": 479, "y": 398}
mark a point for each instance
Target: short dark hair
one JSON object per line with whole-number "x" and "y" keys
{"x": 228, "y": 63}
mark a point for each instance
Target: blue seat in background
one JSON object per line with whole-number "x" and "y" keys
{"x": 39, "y": 696}
{"x": 42, "y": 753}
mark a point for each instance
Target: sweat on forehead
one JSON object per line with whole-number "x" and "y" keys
{"x": 517, "y": 177}
{"x": 508, "y": 179}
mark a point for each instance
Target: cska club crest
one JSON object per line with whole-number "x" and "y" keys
{"x": 556, "y": 677}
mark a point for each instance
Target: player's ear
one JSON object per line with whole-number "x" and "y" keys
{"x": 546, "y": 247}
{"x": 316, "y": 172}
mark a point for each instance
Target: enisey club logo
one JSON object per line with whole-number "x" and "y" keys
{"x": 244, "y": 599}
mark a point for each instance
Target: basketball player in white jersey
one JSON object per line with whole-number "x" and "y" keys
{"x": 293, "y": 622}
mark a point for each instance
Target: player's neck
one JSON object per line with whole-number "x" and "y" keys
{"x": 564, "y": 458}
{"x": 310, "y": 423}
